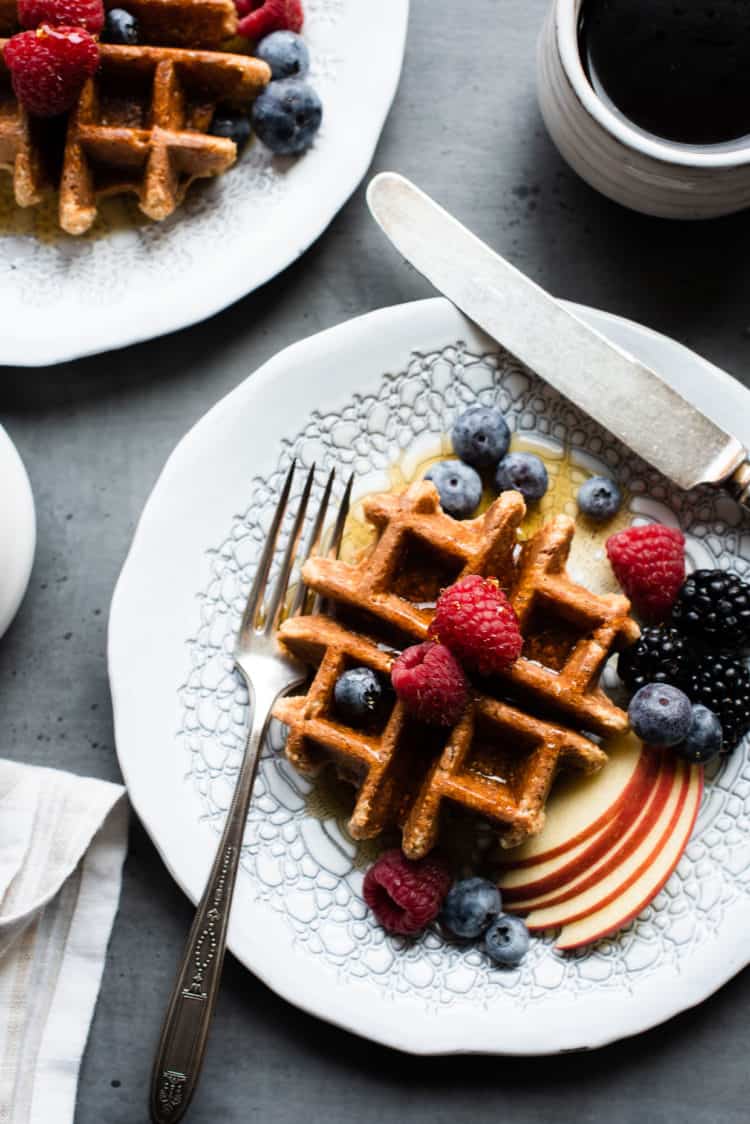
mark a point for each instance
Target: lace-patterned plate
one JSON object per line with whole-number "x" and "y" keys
{"x": 373, "y": 393}
{"x": 130, "y": 279}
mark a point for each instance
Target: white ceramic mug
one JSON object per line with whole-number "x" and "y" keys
{"x": 619, "y": 159}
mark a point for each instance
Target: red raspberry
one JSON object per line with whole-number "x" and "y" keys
{"x": 62, "y": 13}
{"x": 649, "y": 563}
{"x": 261, "y": 17}
{"x": 49, "y": 66}
{"x": 405, "y": 896}
{"x": 477, "y": 622}
{"x": 431, "y": 684}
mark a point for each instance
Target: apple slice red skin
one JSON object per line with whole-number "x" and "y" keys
{"x": 649, "y": 897}
{"x": 605, "y": 842}
{"x": 591, "y": 829}
{"x": 664, "y": 783}
{"x": 684, "y": 783}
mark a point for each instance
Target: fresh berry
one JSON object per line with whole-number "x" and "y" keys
{"x": 49, "y": 66}
{"x": 660, "y": 655}
{"x": 431, "y": 684}
{"x": 470, "y": 906}
{"x": 722, "y": 683}
{"x": 233, "y": 126}
{"x": 477, "y": 622}
{"x": 459, "y": 487}
{"x": 704, "y": 739}
{"x": 262, "y": 17}
{"x": 62, "y": 13}
{"x": 599, "y": 499}
{"x": 660, "y": 715}
{"x": 524, "y": 473}
{"x": 286, "y": 53}
{"x": 405, "y": 896}
{"x": 481, "y": 436}
{"x": 121, "y": 27}
{"x": 649, "y": 563}
{"x": 359, "y": 696}
{"x": 506, "y": 941}
{"x": 714, "y": 607}
{"x": 287, "y": 115}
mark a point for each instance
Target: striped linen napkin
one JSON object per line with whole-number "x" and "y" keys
{"x": 62, "y": 845}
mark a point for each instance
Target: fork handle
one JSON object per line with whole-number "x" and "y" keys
{"x": 182, "y": 1045}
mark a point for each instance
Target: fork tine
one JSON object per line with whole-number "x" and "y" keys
{"x": 320, "y": 604}
{"x": 264, "y": 564}
{"x": 334, "y": 545}
{"x": 313, "y": 544}
{"x": 276, "y": 599}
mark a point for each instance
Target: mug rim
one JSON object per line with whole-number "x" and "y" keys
{"x": 566, "y": 31}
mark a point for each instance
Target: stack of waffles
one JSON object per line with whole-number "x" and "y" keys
{"x": 141, "y": 124}
{"x": 500, "y": 760}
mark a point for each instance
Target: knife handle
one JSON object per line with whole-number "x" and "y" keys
{"x": 738, "y": 485}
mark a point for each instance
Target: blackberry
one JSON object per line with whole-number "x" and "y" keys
{"x": 714, "y": 607}
{"x": 722, "y": 683}
{"x": 660, "y": 655}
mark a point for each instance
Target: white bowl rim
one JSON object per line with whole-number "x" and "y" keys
{"x": 566, "y": 32}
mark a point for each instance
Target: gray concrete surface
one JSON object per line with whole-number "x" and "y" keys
{"x": 94, "y": 435}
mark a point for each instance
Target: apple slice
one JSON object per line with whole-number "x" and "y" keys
{"x": 612, "y": 840}
{"x": 579, "y": 806}
{"x": 631, "y": 837}
{"x": 640, "y": 893}
{"x": 620, "y": 877}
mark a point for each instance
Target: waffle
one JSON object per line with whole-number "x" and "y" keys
{"x": 501, "y": 758}
{"x": 498, "y": 762}
{"x": 140, "y": 125}
{"x": 569, "y": 633}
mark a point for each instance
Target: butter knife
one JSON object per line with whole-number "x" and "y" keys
{"x": 613, "y": 387}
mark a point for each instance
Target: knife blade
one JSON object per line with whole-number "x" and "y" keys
{"x": 613, "y": 387}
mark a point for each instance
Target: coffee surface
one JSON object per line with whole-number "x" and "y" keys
{"x": 679, "y": 69}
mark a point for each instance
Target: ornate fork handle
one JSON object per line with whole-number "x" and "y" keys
{"x": 182, "y": 1044}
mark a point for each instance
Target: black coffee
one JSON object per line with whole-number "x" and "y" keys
{"x": 679, "y": 69}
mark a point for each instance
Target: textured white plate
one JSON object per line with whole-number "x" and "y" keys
{"x": 131, "y": 279}
{"x": 17, "y": 530}
{"x": 364, "y": 395}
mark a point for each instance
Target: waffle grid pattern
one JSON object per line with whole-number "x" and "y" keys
{"x": 500, "y": 760}
{"x": 141, "y": 124}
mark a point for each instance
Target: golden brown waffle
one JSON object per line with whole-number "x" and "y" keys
{"x": 169, "y": 23}
{"x": 569, "y": 632}
{"x": 497, "y": 762}
{"x": 141, "y": 123}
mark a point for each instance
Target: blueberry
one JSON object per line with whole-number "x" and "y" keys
{"x": 507, "y": 941}
{"x": 287, "y": 116}
{"x": 599, "y": 498}
{"x": 286, "y": 54}
{"x": 470, "y": 906}
{"x": 233, "y": 126}
{"x": 120, "y": 27}
{"x": 704, "y": 739}
{"x": 358, "y": 696}
{"x": 524, "y": 473}
{"x": 481, "y": 436}
{"x": 660, "y": 715}
{"x": 459, "y": 487}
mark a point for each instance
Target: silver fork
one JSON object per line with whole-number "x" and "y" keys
{"x": 268, "y": 673}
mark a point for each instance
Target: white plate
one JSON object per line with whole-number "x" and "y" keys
{"x": 17, "y": 530}
{"x": 132, "y": 280}
{"x": 363, "y": 395}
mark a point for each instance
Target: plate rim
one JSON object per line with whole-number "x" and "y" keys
{"x": 17, "y": 503}
{"x": 351, "y": 161}
{"x": 338, "y": 1005}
